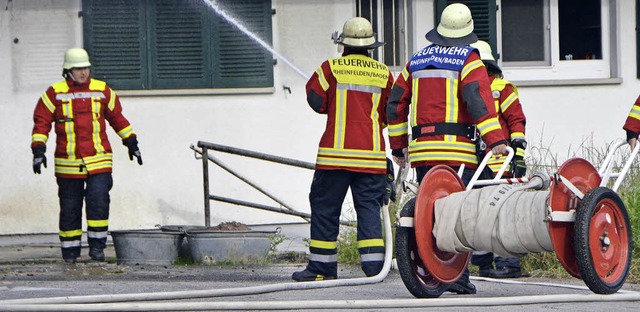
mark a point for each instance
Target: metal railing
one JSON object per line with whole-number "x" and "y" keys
{"x": 204, "y": 154}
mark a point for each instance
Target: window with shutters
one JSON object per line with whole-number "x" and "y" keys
{"x": 544, "y": 40}
{"x": 177, "y": 44}
{"x": 390, "y": 20}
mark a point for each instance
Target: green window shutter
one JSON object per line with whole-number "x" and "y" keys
{"x": 239, "y": 60}
{"x": 114, "y": 37}
{"x": 484, "y": 17}
{"x": 177, "y": 44}
{"x": 179, "y": 50}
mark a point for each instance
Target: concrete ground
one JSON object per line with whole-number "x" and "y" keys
{"x": 34, "y": 272}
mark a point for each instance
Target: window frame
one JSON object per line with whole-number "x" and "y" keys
{"x": 401, "y": 45}
{"x": 557, "y": 71}
{"x": 560, "y": 69}
{"x": 546, "y": 15}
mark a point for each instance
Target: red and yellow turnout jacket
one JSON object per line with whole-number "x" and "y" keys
{"x": 79, "y": 112}
{"x": 352, "y": 91}
{"x": 441, "y": 92}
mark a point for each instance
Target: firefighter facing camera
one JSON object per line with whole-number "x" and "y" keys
{"x": 352, "y": 91}
{"x": 78, "y": 108}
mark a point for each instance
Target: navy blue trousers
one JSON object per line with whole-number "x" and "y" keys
{"x": 94, "y": 191}
{"x": 328, "y": 191}
{"x": 485, "y": 261}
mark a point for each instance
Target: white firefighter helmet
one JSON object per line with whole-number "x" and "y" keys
{"x": 357, "y": 32}
{"x": 76, "y": 58}
{"x": 455, "y": 27}
{"x": 485, "y": 50}
{"x": 486, "y": 55}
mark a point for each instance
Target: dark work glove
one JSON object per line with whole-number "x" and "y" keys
{"x": 132, "y": 145}
{"x": 390, "y": 192}
{"x": 397, "y": 152}
{"x": 39, "y": 158}
{"x": 518, "y": 167}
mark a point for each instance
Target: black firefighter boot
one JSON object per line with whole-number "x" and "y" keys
{"x": 463, "y": 285}
{"x": 96, "y": 248}
{"x": 96, "y": 253}
{"x": 484, "y": 261}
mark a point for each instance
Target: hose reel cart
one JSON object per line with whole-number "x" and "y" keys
{"x": 579, "y": 218}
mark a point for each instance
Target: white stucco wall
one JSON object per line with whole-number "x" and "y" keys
{"x": 167, "y": 189}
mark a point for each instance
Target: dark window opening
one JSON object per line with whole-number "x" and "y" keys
{"x": 524, "y": 35}
{"x": 580, "y": 29}
{"x": 390, "y": 30}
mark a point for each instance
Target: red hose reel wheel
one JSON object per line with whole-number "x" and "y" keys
{"x": 603, "y": 241}
{"x": 584, "y": 177}
{"x": 439, "y": 182}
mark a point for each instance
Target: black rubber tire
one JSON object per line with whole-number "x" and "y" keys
{"x": 589, "y": 206}
{"x": 421, "y": 285}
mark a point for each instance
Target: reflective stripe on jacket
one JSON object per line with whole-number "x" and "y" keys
{"x": 352, "y": 91}
{"x": 79, "y": 112}
{"x": 442, "y": 84}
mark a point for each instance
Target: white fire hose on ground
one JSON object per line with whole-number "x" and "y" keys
{"x": 107, "y": 302}
{"x": 504, "y": 244}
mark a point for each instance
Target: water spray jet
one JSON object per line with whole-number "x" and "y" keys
{"x": 236, "y": 23}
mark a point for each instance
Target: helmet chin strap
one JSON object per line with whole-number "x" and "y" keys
{"x": 67, "y": 73}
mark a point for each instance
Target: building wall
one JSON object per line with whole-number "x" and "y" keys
{"x": 167, "y": 189}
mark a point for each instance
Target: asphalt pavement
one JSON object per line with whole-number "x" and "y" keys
{"x": 37, "y": 276}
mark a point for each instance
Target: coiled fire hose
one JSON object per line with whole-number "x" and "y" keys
{"x": 505, "y": 219}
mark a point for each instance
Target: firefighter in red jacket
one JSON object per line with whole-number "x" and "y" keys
{"x": 78, "y": 107}
{"x": 510, "y": 114}
{"x": 444, "y": 95}
{"x": 352, "y": 90}
{"x": 512, "y": 121}
{"x": 632, "y": 124}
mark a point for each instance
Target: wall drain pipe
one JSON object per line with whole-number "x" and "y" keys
{"x": 40, "y": 303}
